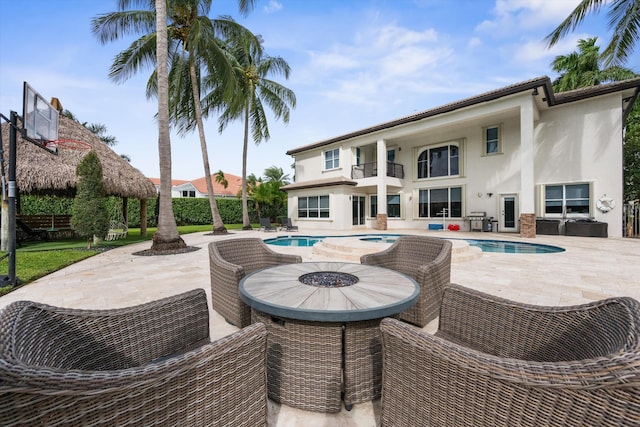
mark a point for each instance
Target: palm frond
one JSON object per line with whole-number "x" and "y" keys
{"x": 624, "y": 18}
{"x": 140, "y": 54}
{"x": 109, "y": 27}
{"x": 575, "y": 18}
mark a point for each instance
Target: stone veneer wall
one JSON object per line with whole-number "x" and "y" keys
{"x": 381, "y": 221}
{"x": 527, "y": 225}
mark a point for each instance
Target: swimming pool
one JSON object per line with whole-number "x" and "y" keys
{"x": 498, "y": 246}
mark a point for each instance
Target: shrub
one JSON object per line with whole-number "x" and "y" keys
{"x": 187, "y": 211}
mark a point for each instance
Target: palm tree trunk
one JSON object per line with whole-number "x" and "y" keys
{"x": 218, "y": 225}
{"x": 246, "y": 224}
{"x": 167, "y": 237}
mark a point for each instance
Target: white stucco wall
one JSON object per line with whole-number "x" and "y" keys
{"x": 582, "y": 142}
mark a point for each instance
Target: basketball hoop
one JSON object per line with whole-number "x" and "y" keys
{"x": 69, "y": 144}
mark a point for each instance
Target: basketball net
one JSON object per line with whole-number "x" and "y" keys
{"x": 69, "y": 144}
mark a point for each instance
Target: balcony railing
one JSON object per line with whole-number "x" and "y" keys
{"x": 367, "y": 170}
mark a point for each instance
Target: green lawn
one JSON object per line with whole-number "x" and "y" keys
{"x": 37, "y": 259}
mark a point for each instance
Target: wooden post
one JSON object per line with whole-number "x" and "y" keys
{"x": 143, "y": 217}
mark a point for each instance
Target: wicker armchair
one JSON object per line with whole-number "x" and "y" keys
{"x": 495, "y": 362}
{"x": 428, "y": 261}
{"x": 231, "y": 260}
{"x": 150, "y": 364}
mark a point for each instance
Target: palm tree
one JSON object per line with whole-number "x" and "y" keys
{"x": 268, "y": 199}
{"x": 221, "y": 179}
{"x": 193, "y": 51}
{"x": 276, "y": 174}
{"x": 167, "y": 237}
{"x": 253, "y": 70}
{"x": 624, "y": 20}
{"x": 582, "y": 68}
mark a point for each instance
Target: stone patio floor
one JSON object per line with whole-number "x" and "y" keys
{"x": 590, "y": 269}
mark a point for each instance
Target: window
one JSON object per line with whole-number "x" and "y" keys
{"x": 492, "y": 142}
{"x": 393, "y": 206}
{"x": 567, "y": 200}
{"x": 391, "y": 155}
{"x": 332, "y": 159}
{"x": 439, "y": 161}
{"x": 189, "y": 193}
{"x": 313, "y": 207}
{"x": 433, "y": 201}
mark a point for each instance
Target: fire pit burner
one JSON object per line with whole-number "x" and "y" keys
{"x": 328, "y": 279}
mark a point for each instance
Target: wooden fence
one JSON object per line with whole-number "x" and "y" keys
{"x": 631, "y": 220}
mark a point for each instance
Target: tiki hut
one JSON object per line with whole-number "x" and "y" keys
{"x": 39, "y": 171}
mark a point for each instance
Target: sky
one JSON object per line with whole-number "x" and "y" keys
{"x": 354, "y": 64}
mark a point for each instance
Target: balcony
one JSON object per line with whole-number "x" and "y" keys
{"x": 367, "y": 170}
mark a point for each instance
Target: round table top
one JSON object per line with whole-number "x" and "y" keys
{"x": 379, "y": 292}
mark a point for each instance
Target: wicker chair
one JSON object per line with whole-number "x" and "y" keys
{"x": 231, "y": 260}
{"x": 150, "y": 364}
{"x": 428, "y": 261}
{"x": 495, "y": 362}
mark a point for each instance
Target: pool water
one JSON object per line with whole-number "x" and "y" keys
{"x": 505, "y": 247}
{"x": 499, "y": 246}
{"x": 294, "y": 241}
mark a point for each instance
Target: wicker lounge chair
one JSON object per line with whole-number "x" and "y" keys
{"x": 428, "y": 261}
{"x": 495, "y": 362}
{"x": 150, "y": 364}
{"x": 231, "y": 260}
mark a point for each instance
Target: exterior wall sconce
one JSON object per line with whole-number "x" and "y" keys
{"x": 489, "y": 194}
{"x": 535, "y": 91}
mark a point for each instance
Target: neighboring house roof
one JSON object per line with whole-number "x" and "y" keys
{"x": 547, "y": 97}
{"x": 40, "y": 172}
{"x": 174, "y": 182}
{"x": 234, "y": 185}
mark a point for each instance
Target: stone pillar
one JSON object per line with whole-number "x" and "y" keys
{"x": 381, "y": 221}
{"x": 528, "y": 225}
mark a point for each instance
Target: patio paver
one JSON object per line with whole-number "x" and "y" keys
{"x": 589, "y": 269}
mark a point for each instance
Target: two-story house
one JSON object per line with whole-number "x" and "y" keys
{"x": 514, "y": 154}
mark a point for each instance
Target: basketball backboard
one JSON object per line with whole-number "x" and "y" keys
{"x": 39, "y": 118}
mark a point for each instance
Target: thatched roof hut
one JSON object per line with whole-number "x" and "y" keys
{"x": 40, "y": 172}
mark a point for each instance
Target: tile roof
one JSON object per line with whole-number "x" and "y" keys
{"x": 234, "y": 185}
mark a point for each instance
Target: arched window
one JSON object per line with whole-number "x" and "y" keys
{"x": 439, "y": 161}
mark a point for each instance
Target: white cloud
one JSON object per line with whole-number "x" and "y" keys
{"x": 474, "y": 42}
{"x": 536, "y": 50}
{"x": 333, "y": 60}
{"x": 516, "y": 15}
{"x": 394, "y": 37}
{"x": 380, "y": 64}
{"x": 272, "y": 6}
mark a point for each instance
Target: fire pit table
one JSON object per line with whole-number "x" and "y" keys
{"x": 323, "y": 317}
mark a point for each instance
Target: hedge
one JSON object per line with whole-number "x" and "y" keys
{"x": 187, "y": 211}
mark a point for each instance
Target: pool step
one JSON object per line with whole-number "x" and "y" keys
{"x": 351, "y": 248}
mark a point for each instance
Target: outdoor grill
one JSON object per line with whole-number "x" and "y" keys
{"x": 478, "y": 221}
